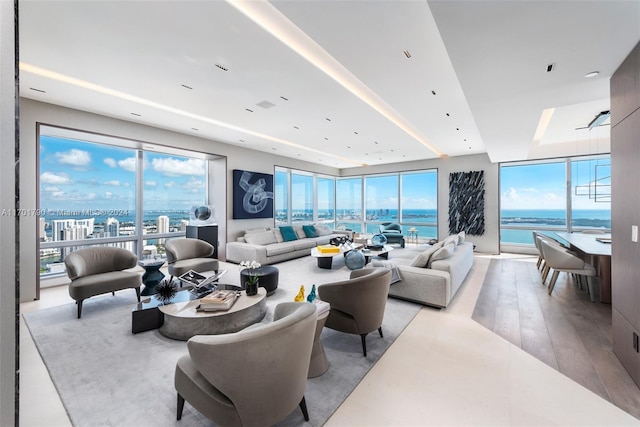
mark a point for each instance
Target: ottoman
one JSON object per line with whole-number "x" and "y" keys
{"x": 268, "y": 278}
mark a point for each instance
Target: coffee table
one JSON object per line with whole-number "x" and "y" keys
{"x": 325, "y": 260}
{"x": 182, "y": 321}
{"x": 382, "y": 253}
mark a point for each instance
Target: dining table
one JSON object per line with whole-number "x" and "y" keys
{"x": 595, "y": 249}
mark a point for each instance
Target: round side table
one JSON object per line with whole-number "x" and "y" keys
{"x": 268, "y": 277}
{"x": 152, "y": 275}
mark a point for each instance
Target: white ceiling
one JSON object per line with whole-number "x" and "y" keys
{"x": 338, "y": 87}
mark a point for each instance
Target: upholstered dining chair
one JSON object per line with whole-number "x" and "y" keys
{"x": 536, "y": 240}
{"x": 100, "y": 270}
{"x": 562, "y": 260}
{"x": 184, "y": 254}
{"x": 255, "y": 377}
{"x": 357, "y": 304}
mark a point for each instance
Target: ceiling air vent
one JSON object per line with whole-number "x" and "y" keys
{"x": 550, "y": 67}
{"x": 265, "y": 104}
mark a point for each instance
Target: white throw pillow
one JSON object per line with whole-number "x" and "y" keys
{"x": 299, "y": 232}
{"x": 451, "y": 239}
{"x": 322, "y": 230}
{"x": 263, "y": 238}
{"x": 461, "y": 237}
{"x": 422, "y": 259}
{"x": 443, "y": 253}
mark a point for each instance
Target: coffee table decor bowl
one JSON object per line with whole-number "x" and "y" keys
{"x": 377, "y": 241}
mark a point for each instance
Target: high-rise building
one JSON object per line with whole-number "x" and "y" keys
{"x": 112, "y": 228}
{"x": 162, "y": 226}
{"x": 183, "y": 225}
{"x": 42, "y": 226}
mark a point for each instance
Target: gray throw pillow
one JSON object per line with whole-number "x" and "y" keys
{"x": 451, "y": 239}
{"x": 461, "y": 237}
{"x": 422, "y": 259}
{"x": 323, "y": 230}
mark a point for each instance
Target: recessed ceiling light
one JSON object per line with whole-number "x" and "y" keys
{"x": 135, "y": 114}
{"x": 296, "y": 127}
{"x": 187, "y": 87}
{"x": 195, "y": 129}
{"x": 406, "y": 53}
{"x": 327, "y": 119}
{"x": 433, "y": 92}
{"x": 251, "y": 111}
{"x": 286, "y": 99}
{"x": 448, "y": 115}
{"x": 550, "y": 67}
{"x": 326, "y": 138}
{"x": 355, "y": 132}
{"x": 592, "y": 74}
{"x": 38, "y": 90}
{"x": 241, "y": 140}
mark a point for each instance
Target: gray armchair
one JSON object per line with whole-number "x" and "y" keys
{"x": 393, "y": 232}
{"x": 184, "y": 254}
{"x": 98, "y": 270}
{"x": 357, "y": 304}
{"x": 253, "y": 377}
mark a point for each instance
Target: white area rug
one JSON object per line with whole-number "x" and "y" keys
{"x": 108, "y": 376}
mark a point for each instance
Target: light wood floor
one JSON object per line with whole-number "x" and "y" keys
{"x": 565, "y": 330}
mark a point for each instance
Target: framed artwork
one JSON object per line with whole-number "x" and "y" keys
{"x": 466, "y": 202}
{"x": 252, "y": 195}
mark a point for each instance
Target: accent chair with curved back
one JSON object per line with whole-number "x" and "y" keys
{"x": 393, "y": 232}
{"x": 562, "y": 260}
{"x": 357, "y": 304}
{"x": 184, "y": 254}
{"x": 99, "y": 270}
{"x": 255, "y": 377}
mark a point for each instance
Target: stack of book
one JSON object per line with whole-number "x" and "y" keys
{"x": 220, "y": 299}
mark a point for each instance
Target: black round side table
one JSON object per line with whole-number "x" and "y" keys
{"x": 268, "y": 277}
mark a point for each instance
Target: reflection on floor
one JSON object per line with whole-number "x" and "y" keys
{"x": 444, "y": 369}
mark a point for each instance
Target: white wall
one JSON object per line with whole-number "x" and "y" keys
{"x": 489, "y": 242}
{"x": 34, "y": 112}
{"x": 7, "y": 221}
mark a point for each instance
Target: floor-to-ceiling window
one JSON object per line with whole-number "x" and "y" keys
{"x": 360, "y": 203}
{"x": 99, "y": 190}
{"x": 571, "y": 194}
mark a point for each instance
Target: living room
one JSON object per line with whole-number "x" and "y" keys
{"x": 35, "y": 110}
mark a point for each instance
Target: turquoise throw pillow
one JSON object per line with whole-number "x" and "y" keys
{"x": 288, "y": 233}
{"x": 309, "y": 231}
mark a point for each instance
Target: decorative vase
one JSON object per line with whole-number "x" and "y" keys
{"x": 251, "y": 288}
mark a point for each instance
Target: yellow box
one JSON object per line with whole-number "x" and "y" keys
{"x": 328, "y": 249}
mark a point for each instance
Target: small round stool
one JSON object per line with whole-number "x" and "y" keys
{"x": 354, "y": 260}
{"x": 268, "y": 277}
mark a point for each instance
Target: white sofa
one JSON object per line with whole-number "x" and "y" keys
{"x": 430, "y": 275}
{"x": 268, "y": 246}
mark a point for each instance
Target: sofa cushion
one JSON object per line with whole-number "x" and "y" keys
{"x": 461, "y": 237}
{"x": 304, "y": 244}
{"x": 278, "y": 234}
{"x": 309, "y": 231}
{"x": 422, "y": 259}
{"x": 443, "y": 253}
{"x": 263, "y": 238}
{"x": 279, "y": 248}
{"x": 288, "y": 233}
{"x": 299, "y": 232}
{"x": 323, "y": 230}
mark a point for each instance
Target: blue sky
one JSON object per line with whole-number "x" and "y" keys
{"x": 543, "y": 186}
{"x": 80, "y": 175}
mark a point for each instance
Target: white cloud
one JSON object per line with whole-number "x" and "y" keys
{"x": 52, "y": 178}
{"x": 110, "y": 162}
{"x": 194, "y": 185}
{"x": 113, "y": 182}
{"x": 74, "y": 157}
{"x": 128, "y": 164}
{"x": 57, "y": 194}
{"x": 169, "y": 184}
{"x": 171, "y": 166}
{"x": 108, "y": 195}
{"x": 51, "y": 189}
{"x": 91, "y": 196}
{"x": 151, "y": 183}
